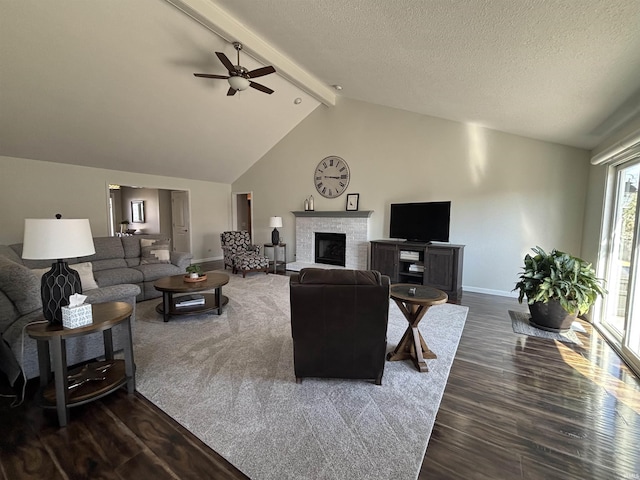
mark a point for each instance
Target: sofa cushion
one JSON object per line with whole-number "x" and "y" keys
{"x": 154, "y": 251}
{"x": 155, "y": 271}
{"x": 106, "y": 248}
{"x": 8, "y": 312}
{"x": 108, "y": 264}
{"x": 116, "y": 276}
{"x": 114, "y": 293}
{"x": 20, "y": 285}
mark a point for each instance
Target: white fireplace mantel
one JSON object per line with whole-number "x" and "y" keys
{"x": 336, "y": 214}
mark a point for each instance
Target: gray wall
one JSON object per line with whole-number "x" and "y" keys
{"x": 508, "y": 193}
{"x": 35, "y": 189}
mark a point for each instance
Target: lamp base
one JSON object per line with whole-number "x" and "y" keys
{"x": 58, "y": 284}
{"x": 275, "y": 237}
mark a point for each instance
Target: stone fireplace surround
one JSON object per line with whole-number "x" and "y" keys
{"x": 355, "y": 225}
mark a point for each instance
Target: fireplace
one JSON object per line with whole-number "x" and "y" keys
{"x": 330, "y": 248}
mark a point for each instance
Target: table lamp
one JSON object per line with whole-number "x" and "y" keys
{"x": 57, "y": 239}
{"x": 275, "y": 222}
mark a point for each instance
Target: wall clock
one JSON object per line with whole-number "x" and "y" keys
{"x": 331, "y": 177}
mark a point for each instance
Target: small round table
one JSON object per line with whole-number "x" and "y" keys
{"x": 414, "y": 306}
{"x": 176, "y": 284}
{"x": 93, "y": 380}
{"x": 277, "y": 262}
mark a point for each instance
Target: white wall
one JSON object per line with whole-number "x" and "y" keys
{"x": 35, "y": 189}
{"x": 508, "y": 193}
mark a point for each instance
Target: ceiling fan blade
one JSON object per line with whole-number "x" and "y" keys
{"x": 226, "y": 62}
{"x": 262, "y": 88}
{"x": 208, "y": 75}
{"x": 259, "y": 72}
{"x": 232, "y": 91}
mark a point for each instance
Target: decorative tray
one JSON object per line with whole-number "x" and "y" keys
{"x": 201, "y": 278}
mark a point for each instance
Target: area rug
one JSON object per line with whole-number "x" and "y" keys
{"x": 229, "y": 379}
{"x": 520, "y": 324}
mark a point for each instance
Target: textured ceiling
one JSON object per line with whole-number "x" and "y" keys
{"x": 109, "y": 84}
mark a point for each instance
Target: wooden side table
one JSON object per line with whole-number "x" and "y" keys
{"x": 93, "y": 380}
{"x": 413, "y": 307}
{"x": 277, "y": 262}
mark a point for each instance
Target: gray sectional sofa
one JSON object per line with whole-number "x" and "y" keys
{"x": 123, "y": 271}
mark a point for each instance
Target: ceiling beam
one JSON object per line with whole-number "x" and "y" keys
{"x": 221, "y": 23}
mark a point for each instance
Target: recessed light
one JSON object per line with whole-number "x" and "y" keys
{"x": 297, "y": 101}
{"x": 337, "y": 87}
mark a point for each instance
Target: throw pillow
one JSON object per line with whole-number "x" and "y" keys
{"x": 85, "y": 270}
{"x": 20, "y": 285}
{"x": 154, "y": 251}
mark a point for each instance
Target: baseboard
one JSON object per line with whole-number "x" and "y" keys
{"x": 208, "y": 259}
{"x": 488, "y": 291}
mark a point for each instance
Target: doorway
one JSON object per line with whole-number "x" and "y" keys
{"x": 165, "y": 212}
{"x": 620, "y": 313}
{"x": 242, "y": 212}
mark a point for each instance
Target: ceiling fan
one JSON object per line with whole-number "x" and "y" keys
{"x": 239, "y": 78}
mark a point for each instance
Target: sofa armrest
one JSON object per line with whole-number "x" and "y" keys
{"x": 181, "y": 259}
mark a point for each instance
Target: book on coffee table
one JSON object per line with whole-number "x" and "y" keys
{"x": 190, "y": 300}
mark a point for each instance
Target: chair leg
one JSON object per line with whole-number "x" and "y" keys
{"x": 244, "y": 272}
{"x": 298, "y": 380}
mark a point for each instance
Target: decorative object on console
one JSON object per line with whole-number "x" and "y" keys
{"x": 352, "y": 202}
{"x": 331, "y": 177}
{"x": 275, "y": 222}
{"x": 311, "y": 206}
{"x": 57, "y": 239}
{"x": 306, "y": 204}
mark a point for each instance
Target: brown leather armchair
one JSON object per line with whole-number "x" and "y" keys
{"x": 339, "y": 323}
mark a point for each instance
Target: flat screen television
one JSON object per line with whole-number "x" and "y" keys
{"x": 422, "y": 222}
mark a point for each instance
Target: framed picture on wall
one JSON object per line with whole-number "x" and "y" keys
{"x": 137, "y": 211}
{"x": 352, "y": 201}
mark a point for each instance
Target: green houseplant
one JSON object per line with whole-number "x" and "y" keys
{"x": 191, "y": 269}
{"x": 558, "y": 287}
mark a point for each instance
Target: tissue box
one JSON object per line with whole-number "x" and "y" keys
{"x": 78, "y": 316}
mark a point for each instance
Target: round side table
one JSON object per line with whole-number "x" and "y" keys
{"x": 414, "y": 301}
{"x": 93, "y": 380}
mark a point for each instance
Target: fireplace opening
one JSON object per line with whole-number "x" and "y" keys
{"x": 330, "y": 248}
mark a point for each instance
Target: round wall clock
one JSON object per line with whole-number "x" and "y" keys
{"x": 331, "y": 177}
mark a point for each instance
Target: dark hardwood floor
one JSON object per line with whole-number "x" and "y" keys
{"x": 515, "y": 407}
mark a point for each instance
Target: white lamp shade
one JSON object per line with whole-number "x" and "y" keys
{"x": 275, "y": 222}
{"x": 238, "y": 83}
{"x": 51, "y": 238}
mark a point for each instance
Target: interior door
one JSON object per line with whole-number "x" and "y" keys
{"x": 181, "y": 228}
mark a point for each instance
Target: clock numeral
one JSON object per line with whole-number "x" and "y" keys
{"x": 343, "y": 169}
{"x": 318, "y": 178}
{"x": 342, "y": 184}
{"x": 338, "y": 164}
{"x": 325, "y": 164}
{"x": 331, "y": 162}
{"x": 319, "y": 184}
{"x": 330, "y": 193}
{"x": 343, "y": 177}
{"x": 318, "y": 171}
{"x": 324, "y": 190}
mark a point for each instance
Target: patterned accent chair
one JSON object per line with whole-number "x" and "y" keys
{"x": 241, "y": 255}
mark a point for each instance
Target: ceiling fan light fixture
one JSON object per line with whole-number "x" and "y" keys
{"x": 238, "y": 83}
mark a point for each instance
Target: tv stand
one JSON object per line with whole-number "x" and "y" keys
{"x": 438, "y": 265}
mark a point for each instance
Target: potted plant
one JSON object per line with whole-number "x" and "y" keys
{"x": 558, "y": 288}
{"x": 194, "y": 271}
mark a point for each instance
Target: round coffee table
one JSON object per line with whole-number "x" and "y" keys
{"x": 414, "y": 304}
{"x": 176, "y": 285}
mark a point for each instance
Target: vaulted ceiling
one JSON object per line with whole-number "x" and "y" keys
{"x": 110, "y": 84}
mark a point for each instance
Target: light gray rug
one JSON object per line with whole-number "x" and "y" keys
{"x": 229, "y": 379}
{"x": 520, "y": 324}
